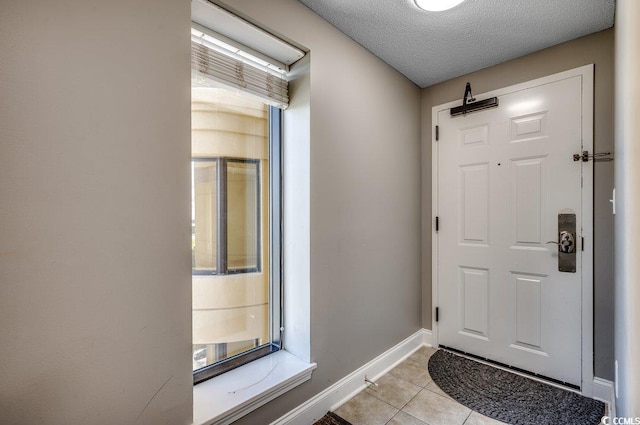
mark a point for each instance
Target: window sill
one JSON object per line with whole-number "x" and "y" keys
{"x": 228, "y": 397}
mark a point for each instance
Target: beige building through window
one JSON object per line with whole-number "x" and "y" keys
{"x": 230, "y": 224}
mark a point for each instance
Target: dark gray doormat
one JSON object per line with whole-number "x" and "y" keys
{"x": 508, "y": 397}
{"x": 331, "y": 419}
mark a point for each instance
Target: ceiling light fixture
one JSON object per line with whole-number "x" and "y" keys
{"x": 437, "y": 5}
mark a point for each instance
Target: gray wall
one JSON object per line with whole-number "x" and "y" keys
{"x": 598, "y": 49}
{"x": 365, "y": 200}
{"x": 95, "y": 318}
{"x": 627, "y": 180}
{"x": 95, "y": 288}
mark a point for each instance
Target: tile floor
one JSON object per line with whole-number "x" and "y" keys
{"x": 407, "y": 396}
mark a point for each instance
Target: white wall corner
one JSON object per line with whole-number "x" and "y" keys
{"x": 603, "y": 390}
{"x": 343, "y": 390}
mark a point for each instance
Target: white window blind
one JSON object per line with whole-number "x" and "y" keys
{"x": 216, "y": 61}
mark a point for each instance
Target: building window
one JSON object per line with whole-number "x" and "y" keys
{"x": 235, "y": 229}
{"x": 226, "y": 216}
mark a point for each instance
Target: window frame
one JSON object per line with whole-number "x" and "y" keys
{"x": 276, "y": 293}
{"x": 222, "y": 213}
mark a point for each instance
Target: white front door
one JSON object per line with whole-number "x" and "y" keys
{"x": 503, "y": 176}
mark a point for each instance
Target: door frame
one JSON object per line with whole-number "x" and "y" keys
{"x": 586, "y": 72}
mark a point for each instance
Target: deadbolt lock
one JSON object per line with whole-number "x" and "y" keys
{"x": 567, "y": 242}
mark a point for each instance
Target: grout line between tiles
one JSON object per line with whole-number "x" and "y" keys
{"x": 394, "y": 415}
{"x": 402, "y": 410}
{"x": 388, "y": 404}
{"x": 405, "y": 405}
{"x": 379, "y": 399}
{"x": 407, "y": 413}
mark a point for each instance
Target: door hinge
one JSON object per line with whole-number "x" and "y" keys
{"x": 437, "y": 223}
{"x": 437, "y": 314}
{"x": 582, "y": 243}
{"x": 437, "y": 133}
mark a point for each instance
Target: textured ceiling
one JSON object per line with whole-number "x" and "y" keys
{"x": 430, "y": 47}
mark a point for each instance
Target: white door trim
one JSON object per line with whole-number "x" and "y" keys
{"x": 586, "y": 72}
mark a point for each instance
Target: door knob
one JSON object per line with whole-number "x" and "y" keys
{"x": 566, "y": 243}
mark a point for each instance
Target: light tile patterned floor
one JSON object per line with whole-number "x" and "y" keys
{"x": 408, "y": 396}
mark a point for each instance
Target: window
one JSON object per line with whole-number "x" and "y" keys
{"x": 226, "y": 215}
{"x": 229, "y": 51}
{"x": 238, "y": 91}
{"x": 235, "y": 207}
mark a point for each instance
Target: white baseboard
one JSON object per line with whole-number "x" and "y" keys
{"x": 427, "y": 337}
{"x": 343, "y": 390}
{"x": 603, "y": 390}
